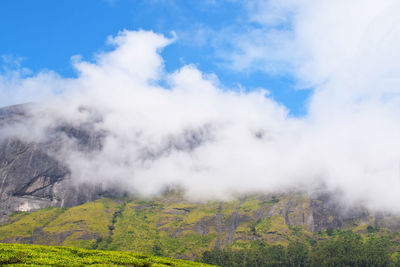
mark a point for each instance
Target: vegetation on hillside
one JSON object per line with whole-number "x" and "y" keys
{"x": 166, "y": 226}
{"x": 345, "y": 248}
{"x": 22, "y": 255}
{"x": 173, "y": 227}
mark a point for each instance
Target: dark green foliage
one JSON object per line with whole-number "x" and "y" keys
{"x": 273, "y": 200}
{"x": 345, "y": 248}
{"x": 329, "y": 231}
{"x": 377, "y": 251}
{"x": 259, "y": 254}
{"x": 298, "y": 254}
{"x": 348, "y": 249}
{"x": 372, "y": 229}
{"x": 157, "y": 250}
{"x": 116, "y": 215}
{"x": 98, "y": 241}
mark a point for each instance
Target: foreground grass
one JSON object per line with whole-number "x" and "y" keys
{"x": 22, "y": 255}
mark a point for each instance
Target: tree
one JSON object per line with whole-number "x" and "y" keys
{"x": 377, "y": 251}
{"x": 345, "y": 249}
{"x": 298, "y": 254}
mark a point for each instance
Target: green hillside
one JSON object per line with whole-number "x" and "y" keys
{"x": 22, "y": 255}
{"x": 173, "y": 227}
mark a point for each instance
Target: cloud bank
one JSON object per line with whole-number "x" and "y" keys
{"x": 185, "y": 128}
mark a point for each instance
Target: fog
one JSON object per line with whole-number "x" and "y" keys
{"x": 185, "y": 128}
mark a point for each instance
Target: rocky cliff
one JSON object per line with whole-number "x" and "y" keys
{"x": 31, "y": 177}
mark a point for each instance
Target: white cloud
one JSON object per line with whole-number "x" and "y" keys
{"x": 16, "y": 87}
{"x": 317, "y": 40}
{"x": 215, "y": 141}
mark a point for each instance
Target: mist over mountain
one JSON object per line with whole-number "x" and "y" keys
{"x": 257, "y": 133}
{"x": 124, "y": 122}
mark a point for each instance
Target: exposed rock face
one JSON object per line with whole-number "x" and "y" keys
{"x": 31, "y": 178}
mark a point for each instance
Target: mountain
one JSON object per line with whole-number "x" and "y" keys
{"x": 31, "y": 177}
{"x": 173, "y": 227}
{"x": 41, "y": 204}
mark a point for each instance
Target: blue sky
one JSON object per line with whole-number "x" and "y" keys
{"x": 344, "y": 129}
{"x": 45, "y": 34}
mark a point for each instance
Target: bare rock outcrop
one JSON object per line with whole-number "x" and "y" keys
{"x": 31, "y": 177}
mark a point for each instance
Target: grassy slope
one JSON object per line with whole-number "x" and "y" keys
{"x": 147, "y": 225}
{"x": 168, "y": 227}
{"x": 80, "y": 226}
{"x": 23, "y": 225}
{"x": 18, "y": 254}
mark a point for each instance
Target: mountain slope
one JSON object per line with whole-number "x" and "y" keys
{"x": 174, "y": 227}
{"x": 33, "y": 177}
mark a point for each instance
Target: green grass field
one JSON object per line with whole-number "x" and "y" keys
{"x": 34, "y": 255}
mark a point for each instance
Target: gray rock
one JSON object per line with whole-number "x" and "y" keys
{"x": 32, "y": 178}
